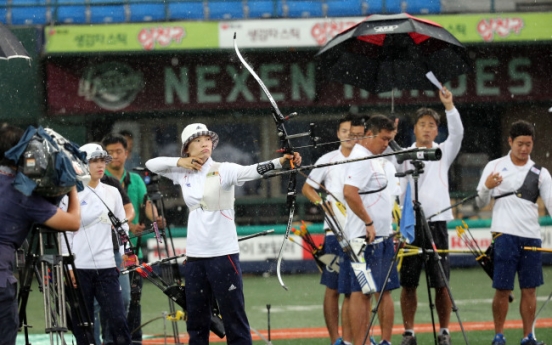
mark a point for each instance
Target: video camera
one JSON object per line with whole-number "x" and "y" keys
{"x": 148, "y": 176}
{"x": 422, "y": 154}
{"x": 48, "y": 164}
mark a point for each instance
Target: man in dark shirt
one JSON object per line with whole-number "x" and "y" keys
{"x": 17, "y": 214}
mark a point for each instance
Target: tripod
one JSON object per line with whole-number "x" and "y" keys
{"x": 423, "y": 230}
{"x": 170, "y": 272}
{"x": 51, "y": 270}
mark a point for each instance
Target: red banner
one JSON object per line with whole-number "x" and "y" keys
{"x": 216, "y": 80}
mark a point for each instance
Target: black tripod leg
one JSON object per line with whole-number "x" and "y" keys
{"x": 26, "y": 278}
{"x": 428, "y": 236}
{"x": 425, "y": 256}
{"x": 79, "y": 315}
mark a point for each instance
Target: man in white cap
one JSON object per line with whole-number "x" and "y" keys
{"x": 212, "y": 266}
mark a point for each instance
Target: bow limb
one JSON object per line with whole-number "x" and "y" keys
{"x": 286, "y": 147}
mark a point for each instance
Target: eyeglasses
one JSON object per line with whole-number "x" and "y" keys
{"x": 356, "y": 136}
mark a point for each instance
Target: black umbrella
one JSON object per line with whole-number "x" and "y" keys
{"x": 10, "y": 46}
{"x": 384, "y": 52}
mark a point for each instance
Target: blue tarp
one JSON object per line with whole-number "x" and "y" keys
{"x": 64, "y": 174}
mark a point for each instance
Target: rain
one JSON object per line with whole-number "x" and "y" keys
{"x": 274, "y": 77}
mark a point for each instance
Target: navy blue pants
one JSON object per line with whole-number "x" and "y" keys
{"x": 9, "y": 317}
{"x": 222, "y": 277}
{"x": 103, "y": 284}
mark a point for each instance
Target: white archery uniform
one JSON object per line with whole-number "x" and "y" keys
{"x": 513, "y": 215}
{"x": 434, "y": 181}
{"x": 92, "y": 244}
{"x": 369, "y": 175}
{"x": 332, "y": 177}
{"x": 210, "y": 233}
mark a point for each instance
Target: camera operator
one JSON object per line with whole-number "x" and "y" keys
{"x": 213, "y": 264}
{"x": 434, "y": 196}
{"x": 92, "y": 246}
{"x": 17, "y": 214}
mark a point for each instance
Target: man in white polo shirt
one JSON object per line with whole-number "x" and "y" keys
{"x": 515, "y": 182}
{"x": 368, "y": 190}
{"x": 349, "y": 128}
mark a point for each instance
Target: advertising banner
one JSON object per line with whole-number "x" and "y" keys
{"x": 130, "y": 37}
{"x": 313, "y": 32}
{"x": 267, "y": 247}
{"x": 202, "y": 81}
{"x": 497, "y": 27}
{"x": 255, "y": 249}
{"x": 276, "y": 33}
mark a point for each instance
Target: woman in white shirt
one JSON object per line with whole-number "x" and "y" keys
{"x": 92, "y": 246}
{"x": 212, "y": 266}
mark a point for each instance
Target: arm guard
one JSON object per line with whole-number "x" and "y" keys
{"x": 264, "y": 167}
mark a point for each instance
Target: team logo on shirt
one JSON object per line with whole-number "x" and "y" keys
{"x": 188, "y": 185}
{"x": 83, "y": 203}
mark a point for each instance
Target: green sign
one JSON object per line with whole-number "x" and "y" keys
{"x": 504, "y": 27}
{"x": 131, "y": 37}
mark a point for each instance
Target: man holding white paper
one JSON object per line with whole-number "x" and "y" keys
{"x": 434, "y": 196}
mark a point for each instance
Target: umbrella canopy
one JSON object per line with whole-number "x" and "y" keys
{"x": 393, "y": 51}
{"x": 10, "y": 46}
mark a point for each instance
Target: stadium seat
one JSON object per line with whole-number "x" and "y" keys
{"x": 394, "y": 6}
{"x": 186, "y": 10}
{"x": 147, "y": 12}
{"x": 262, "y": 8}
{"x": 230, "y": 9}
{"x": 30, "y": 15}
{"x": 371, "y": 7}
{"x": 107, "y": 14}
{"x": 29, "y": 2}
{"x": 29, "y": 12}
{"x": 70, "y": 14}
{"x": 422, "y": 6}
{"x": 3, "y": 11}
{"x": 303, "y": 8}
{"x": 343, "y": 8}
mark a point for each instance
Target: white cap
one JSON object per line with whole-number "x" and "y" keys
{"x": 95, "y": 151}
{"x": 196, "y": 130}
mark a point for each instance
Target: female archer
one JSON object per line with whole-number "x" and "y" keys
{"x": 212, "y": 266}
